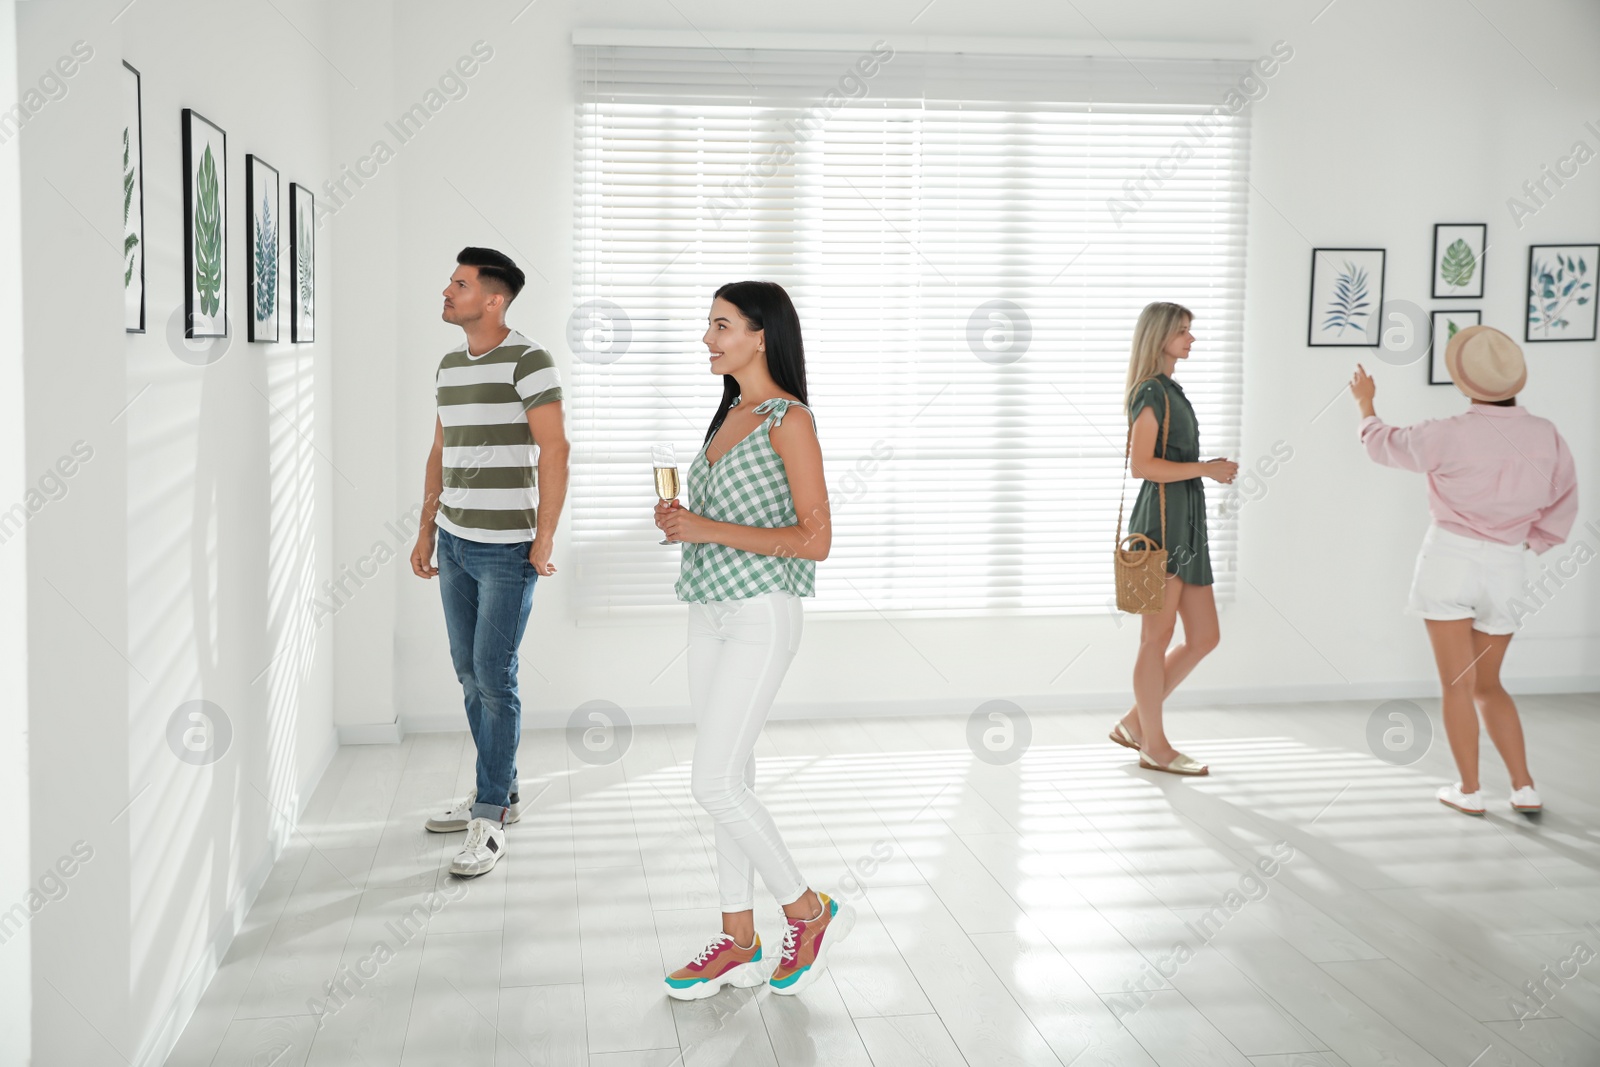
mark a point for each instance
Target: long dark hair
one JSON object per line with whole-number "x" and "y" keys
{"x": 765, "y": 306}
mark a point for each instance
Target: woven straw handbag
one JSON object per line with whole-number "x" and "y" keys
{"x": 1141, "y": 564}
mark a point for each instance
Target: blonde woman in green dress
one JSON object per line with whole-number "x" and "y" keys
{"x": 1161, "y": 340}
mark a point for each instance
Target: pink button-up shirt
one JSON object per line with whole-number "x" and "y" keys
{"x": 1494, "y": 473}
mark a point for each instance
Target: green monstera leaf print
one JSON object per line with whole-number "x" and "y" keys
{"x": 1458, "y": 265}
{"x": 207, "y": 235}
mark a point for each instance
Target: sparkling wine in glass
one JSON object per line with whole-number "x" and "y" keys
{"x": 665, "y": 462}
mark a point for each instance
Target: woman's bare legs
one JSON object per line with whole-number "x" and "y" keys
{"x": 1453, "y": 652}
{"x": 1495, "y": 706}
{"x": 1157, "y": 671}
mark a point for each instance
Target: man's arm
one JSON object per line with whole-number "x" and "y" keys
{"x": 432, "y": 486}
{"x": 548, "y": 427}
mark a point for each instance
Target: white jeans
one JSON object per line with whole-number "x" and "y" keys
{"x": 738, "y": 653}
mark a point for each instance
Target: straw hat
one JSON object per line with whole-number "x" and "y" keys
{"x": 1485, "y": 363}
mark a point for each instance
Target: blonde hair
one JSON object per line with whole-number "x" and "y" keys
{"x": 1157, "y": 323}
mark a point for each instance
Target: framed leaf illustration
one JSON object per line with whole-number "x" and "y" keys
{"x": 1458, "y": 249}
{"x": 303, "y": 256}
{"x": 1346, "y": 298}
{"x": 132, "y": 202}
{"x": 1446, "y": 324}
{"x": 205, "y": 227}
{"x": 1561, "y": 292}
{"x": 261, "y": 242}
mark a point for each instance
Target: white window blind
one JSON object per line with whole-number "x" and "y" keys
{"x": 968, "y": 240}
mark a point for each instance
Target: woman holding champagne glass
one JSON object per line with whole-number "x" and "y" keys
{"x": 1164, "y": 450}
{"x": 755, "y": 524}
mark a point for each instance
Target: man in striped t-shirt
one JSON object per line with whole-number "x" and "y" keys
{"x": 495, "y": 483}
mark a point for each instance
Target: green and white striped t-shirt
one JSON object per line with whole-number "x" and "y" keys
{"x": 489, "y": 455}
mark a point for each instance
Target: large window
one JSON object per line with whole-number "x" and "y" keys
{"x": 968, "y": 239}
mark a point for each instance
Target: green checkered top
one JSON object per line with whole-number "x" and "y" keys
{"x": 747, "y": 485}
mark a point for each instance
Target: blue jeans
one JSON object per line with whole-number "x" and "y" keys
{"x": 488, "y": 592}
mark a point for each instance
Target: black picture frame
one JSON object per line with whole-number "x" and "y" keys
{"x": 1591, "y": 264}
{"x": 136, "y": 152}
{"x": 302, "y": 239}
{"x": 1481, "y": 257}
{"x": 190, "y": 118}
{"x": 1438, "y": 374}
{"x": 252, "y": 244}
{"x": 1374, "y": 326}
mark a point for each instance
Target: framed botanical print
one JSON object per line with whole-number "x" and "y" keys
{"x": 1458, "y": 249}
{"x": 1446, "y": 324}
{"x": 205, "y": 226}
{"x": 261, "y": 240}
{"x": 132, "y": 201}
{"x": 1561, "y": 292}
{"x": 303, "y": 257}
{"x": 1346, "y": 298}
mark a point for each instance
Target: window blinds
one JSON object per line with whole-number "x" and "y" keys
{"x": 968, "y": 239}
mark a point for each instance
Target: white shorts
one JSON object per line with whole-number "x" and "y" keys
{"x": 1466, "y": 578}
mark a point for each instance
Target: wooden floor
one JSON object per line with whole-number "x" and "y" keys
{"x": 1067, "y": 908}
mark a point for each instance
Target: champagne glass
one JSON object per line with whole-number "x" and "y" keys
{"x": 665, "y": 462}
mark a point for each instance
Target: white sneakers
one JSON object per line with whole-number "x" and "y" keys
{"x": 457, "y": 817}
{"x": 1525, "y": 799}
{"x": 1451, "y": 796}
{"x": 486, "y": 839}
{"x": 485, "y": 844}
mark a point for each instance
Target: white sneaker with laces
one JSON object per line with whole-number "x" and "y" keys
{"x": 457, "y": 817}
{"x": 1466, "y": 803}
{"x": 485, "y": 844}
{"x": 1526, "y": 799}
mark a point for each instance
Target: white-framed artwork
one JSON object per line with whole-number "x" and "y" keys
{"x": 1561, "y": 293}
{"x": 1446, "y": 324}
{"x": 262, "y": 216}
{"x": 303, "y": 257}
{"x": 132, "y": 201}
{"x": 1346, "y": 298}
{"x": 205, "y": 226}
{"x": 1458, "y": 249}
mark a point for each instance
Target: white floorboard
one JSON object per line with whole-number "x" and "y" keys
{"x": 1065, "y": 909}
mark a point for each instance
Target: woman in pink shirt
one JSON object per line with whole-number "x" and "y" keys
{"x": 1500, "y": 481}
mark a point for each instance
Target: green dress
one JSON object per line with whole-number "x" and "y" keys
{"x": 1188, "y": 550}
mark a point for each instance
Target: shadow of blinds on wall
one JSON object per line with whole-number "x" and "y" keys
{"x": 968, "y": 239}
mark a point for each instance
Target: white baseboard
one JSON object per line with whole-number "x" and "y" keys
{"x": 378, "y": 733}
{"x": 677, "y": 714}
{"x": 165, "y": 1036}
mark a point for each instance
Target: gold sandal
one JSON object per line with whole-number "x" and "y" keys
{"x": 1120, "y": 734}
{"x": 1180, "y": 764}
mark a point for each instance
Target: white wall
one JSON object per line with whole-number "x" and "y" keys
{"x": 181, "y": 561}
{"x": 16, "y": 866}
{"x": 1386, "y": 121}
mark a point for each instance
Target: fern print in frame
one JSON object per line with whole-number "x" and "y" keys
{"x": 1458, "y": 251}
{"x": 1446, "y": 324}
{"x": 133, "y": 300}
{"x": 303, "y": 257}
{"x": 1561, "y": 292}
{"x": 261, "y": 193}
{"x": 1346, "y": 302}
{"x": 205, "y": 225}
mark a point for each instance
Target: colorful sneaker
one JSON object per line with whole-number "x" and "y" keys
{"x": 485, "y": 844}
{"x": 1451, "y": 796}
{"x": 720, "y": 963}
{"x": 456, "y": 818}
{"x": 1525, "y": 799}
{"x": 806, "y": 944}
